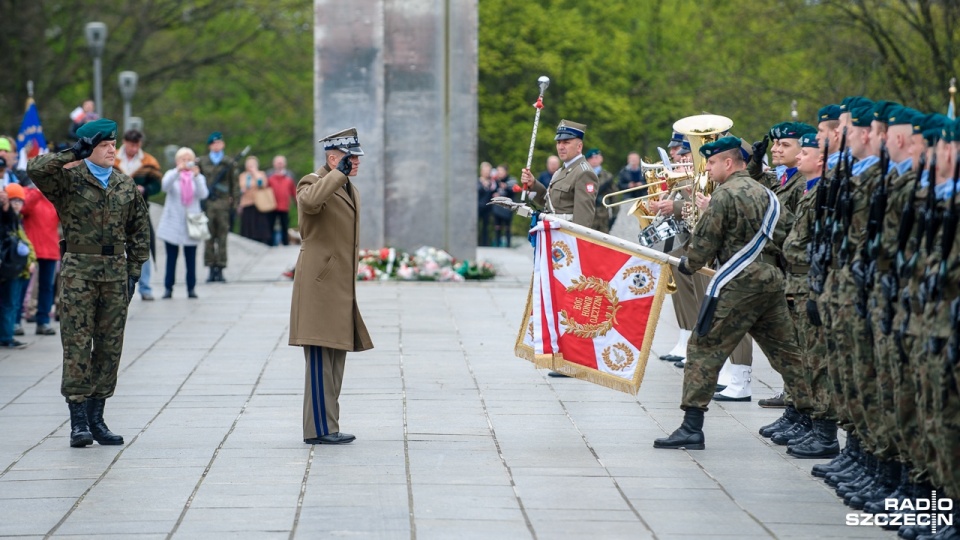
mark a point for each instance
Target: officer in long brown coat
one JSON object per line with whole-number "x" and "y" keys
{"x": 324, "y": 317}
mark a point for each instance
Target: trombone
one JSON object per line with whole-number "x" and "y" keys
{"x": 657, "y": 193}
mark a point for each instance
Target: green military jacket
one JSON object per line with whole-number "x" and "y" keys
{"x": 733, "y": 218}
{"x": 795, "y": 245}
{"x": 788, "y": 194}
{"x": 936, "y": 315}
{"x": 898, "y": 194}
{"x": 862, "y": 187}
{"x": 573, "y": 190}
{"x": 221, "y": 178}
{"x": 95, "y": 220}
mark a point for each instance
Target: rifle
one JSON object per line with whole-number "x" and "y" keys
{"x": 820, "y": 264}
{"x": 815, "y": 277}
{"x": 932, "y": 218}
{"x": 843, "y": 216}
{"x": 864, "y": 269}
{"x": 890, "y": 282}
{"x": 908, "y": 267}
{"x": 933, "y": 279}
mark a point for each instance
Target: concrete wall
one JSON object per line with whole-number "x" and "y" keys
{"x": 404, "y": 72}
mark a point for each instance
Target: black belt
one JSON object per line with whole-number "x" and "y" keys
{"x": 95, "y": 249}
{"x": 799, "y": 269}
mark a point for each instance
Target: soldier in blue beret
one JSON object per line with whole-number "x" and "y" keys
{"x": 106, "y": 235}
{"x": 746, "y": 295}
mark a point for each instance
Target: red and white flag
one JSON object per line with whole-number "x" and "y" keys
{"x": 592, "y": 308}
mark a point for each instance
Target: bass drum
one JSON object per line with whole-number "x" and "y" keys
{"x": 664, "y": 235}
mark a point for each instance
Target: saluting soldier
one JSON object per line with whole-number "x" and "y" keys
{"x": 572, "y": 193}
{"x": 746, "y": 294}
{"x": 224, "y": 189}
{"x": 324, "y": 317}
{"x": 106, "y": 231}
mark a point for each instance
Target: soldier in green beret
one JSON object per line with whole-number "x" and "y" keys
{"x": 745, "y": 295}
{"x": 219, "y": 170}
{"x": 106, "y": 235}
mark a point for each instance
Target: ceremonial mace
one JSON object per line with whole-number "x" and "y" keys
{"x": 543, "y": 82}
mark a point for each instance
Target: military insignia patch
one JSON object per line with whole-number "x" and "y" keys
{"x": 590, "y": 188}
{"x": 640, "y": 279}
{"x": 562, "y": 255}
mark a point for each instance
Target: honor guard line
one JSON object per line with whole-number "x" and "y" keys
{"x": 621, "y": 243}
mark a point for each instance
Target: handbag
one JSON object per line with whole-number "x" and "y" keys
{"x": 197, "y": 228}
{"x": 264, "y": 200}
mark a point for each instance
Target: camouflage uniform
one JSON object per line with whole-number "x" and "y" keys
{"x": 751, "y": 302}
{"x": 218, "y": 206}
{"x": 814, "y": 396}
{"x": 107, "y": 240}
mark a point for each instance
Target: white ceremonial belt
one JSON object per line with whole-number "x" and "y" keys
{"x": 568, "y": 217}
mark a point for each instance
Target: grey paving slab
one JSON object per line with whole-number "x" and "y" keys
{"x": 456, "y": 437}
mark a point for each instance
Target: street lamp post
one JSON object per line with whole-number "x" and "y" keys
{"x": 96, "y": 39}
{"x": 128, "y": 86}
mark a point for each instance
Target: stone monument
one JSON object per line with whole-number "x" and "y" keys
{"x": 405, "y": 74}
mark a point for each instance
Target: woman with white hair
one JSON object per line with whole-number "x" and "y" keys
{"x": 185, "y": 188}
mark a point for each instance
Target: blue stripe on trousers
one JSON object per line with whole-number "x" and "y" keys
{"x": 319, "y": 417}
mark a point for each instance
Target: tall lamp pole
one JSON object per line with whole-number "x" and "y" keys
{"x": 128, "y": 87}
{"x": 96, "y": 33}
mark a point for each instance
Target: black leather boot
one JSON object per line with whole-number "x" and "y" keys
{"x": 846, "y": 457}
{"x": 822, "y": 444}
{"x": 211, "y": 274}
{"x": 79, "y": 427}
{"x": 900, "y": 493}
{"x": 797, "y": 431}
{"x": 886, "y": 483}
{"x": 854, "y": 474}
{"x": 789, "y": 417}
{"x": 869, "y": 476}
{"x": 688, "y": 436}
{"x": 101, "y": 433}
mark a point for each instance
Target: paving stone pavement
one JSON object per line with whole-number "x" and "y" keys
{"x": 456, "y": 438}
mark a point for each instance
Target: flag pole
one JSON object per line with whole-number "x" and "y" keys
{"x": 621, "y": 243}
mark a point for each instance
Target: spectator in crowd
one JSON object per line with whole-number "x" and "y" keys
{"x": 185, "y": 188}
{"x": 284, "y": 186}
{"x": 553, "y": 165}
{"x": 254, "y": 224}
{"x": 42, "y": 224}
{"x": 507, "y": 186}
{"x": 631, "y": 175}
{"x": 17, "y": 264}
{"x": 8, "y": 169}
{"x": 145, "y": 171}
{"x": 486, "y": 187}
{"x": 80, "y": 116}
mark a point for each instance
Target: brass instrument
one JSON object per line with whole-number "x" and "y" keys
{"x": 700, "y": 130}
{"x": 654, "y": 187}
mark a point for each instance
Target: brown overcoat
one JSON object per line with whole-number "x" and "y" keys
{"x": 324, "y": 310}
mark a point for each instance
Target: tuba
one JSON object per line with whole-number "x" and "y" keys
{"x": 700, "y": 130}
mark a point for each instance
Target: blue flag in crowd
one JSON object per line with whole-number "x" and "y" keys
{"x": 30, "y": 139}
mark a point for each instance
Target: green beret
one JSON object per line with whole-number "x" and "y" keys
{"x": 881, "y": 110}
{"x": 900, "y": 116}
{"x": 106, "y": 128}
{"x": 720, "y": 145}
{"x": 809, "y": 140}
{"x": 830, "y": 112}
{"x": 851, "y": 102}
{"x": 215, "y": 136}
{"x": 861, "y": 116}
{"x": 592, "y": 152}
{"x": 918, "y": 122}
{"x": 933, "y": 127}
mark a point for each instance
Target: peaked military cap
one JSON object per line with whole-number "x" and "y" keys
{"x": 720, "y": 145}
{"x": 809, "y": 140}
{"x": 851, "y": 102}
{"x": 570, "y": 130}
{"x": 215, "y": 136}
{"x": 106, "y": 128}
{"x": 346, "y": 141}
{"x": 829, "y": 112}
{"x": 881, "y": 110}
{"x": 900, "y": 116}
{"x": 861, "y": 116}
{"x": 676, "y": 139}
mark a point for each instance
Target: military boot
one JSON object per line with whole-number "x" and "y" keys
{"x": 901, "y": 492}
{"x": 98, "y": 428}
{"x": 852, "y": 473}
{"x": 822, "y": 442}
{"x": 210, "y": 274}
{"x": 869, "y": 476}
{"x": 796, "y": 431}
{"x": 949, "y": 532}
{"x": 79, "y": 427}
{"x": 886, "y": 483}
{"x": 789, "y": 417}
{"x": 688, "y": 436}
{"x": 220, "y": 277}
{"x": 846, "y": 457}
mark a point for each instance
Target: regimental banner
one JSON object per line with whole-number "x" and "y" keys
{"x": 30, "y": 139}
{"x": 592, "y": 309}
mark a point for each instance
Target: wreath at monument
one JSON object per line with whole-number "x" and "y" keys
{"x": 425, "y": 264}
